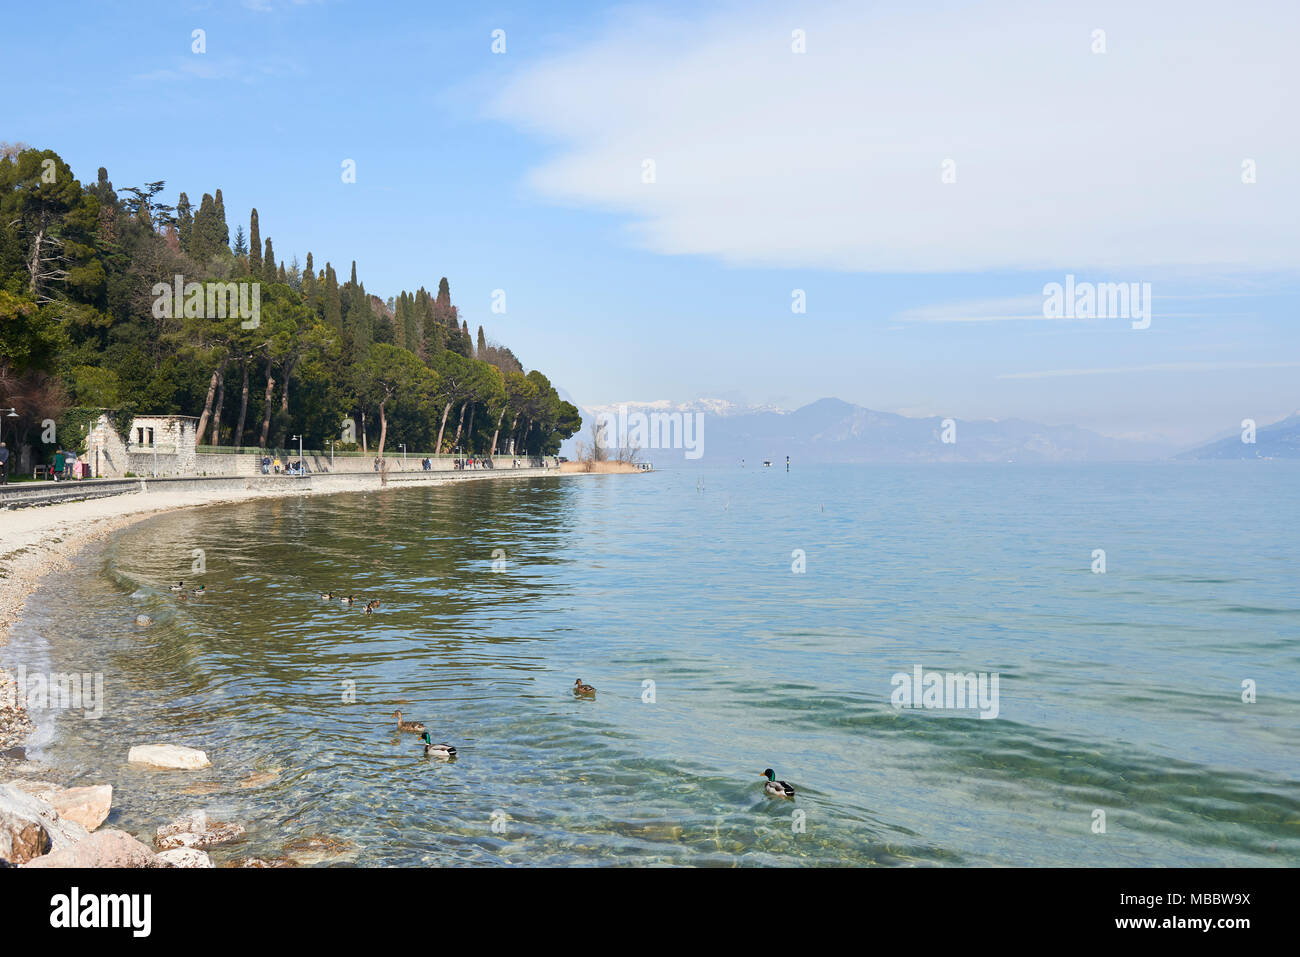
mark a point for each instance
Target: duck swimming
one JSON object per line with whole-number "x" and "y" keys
{"x": 371, "y": 606}
{"x": 444, "y": 751}
{"x": 346, "y": 601}
{"x": 580, "y": 688}
{"x": 407, "y": 725}
{"x": 200, "y": 590}
{"x": 326, "y": 595}
{"x": 776, "y": 788}
{"x": 179, "y": 586}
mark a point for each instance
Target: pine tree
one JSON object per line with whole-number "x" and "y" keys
{"x": 254, "y": 245}
{"x": 241, "y": 245}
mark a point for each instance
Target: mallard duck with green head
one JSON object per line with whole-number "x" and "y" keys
{"x": 200, "y": 590}
{"x": 776, "y": 788}
{"x": 415, "y": 726}
{"x": 444, "y": 751}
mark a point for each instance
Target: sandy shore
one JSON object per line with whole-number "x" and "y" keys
{"x": 43, "y": 539}
{"x": 600, "y": 468}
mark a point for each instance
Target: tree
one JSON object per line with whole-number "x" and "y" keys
{"x": 184, "y": 218}
{"x": 390, "y": 374}
{"x": 49, "y": 217}
{"x": 254, "y": 245}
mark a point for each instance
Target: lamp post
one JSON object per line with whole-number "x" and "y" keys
{"x": 331, "y": 455}
{"x": 402, "y": 446}
{"x": 13, "y": 453}
{"x": 302, "y": 472}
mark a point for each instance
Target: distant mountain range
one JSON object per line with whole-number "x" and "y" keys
{"x": 1281, "y": 440}
{"x": 831, "y": 430}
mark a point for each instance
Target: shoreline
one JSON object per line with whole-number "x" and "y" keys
{"x": 42, "y": 539}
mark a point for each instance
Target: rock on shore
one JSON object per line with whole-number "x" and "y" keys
{"x": 106, "y": 848}
{"x": 196, "y": 831}
{"x": 185, "y": 857}
{"x": 30, "y": 827}
{"x": 87, "y": 806}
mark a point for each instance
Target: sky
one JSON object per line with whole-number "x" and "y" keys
{"x": 657, "y": 188}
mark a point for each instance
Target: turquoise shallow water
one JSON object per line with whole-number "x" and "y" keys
{"x": 1119, "y": 692}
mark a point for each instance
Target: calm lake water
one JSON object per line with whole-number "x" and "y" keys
{"x": 1119, "y": 692}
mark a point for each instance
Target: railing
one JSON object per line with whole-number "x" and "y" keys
{"x": 390, "y": 453}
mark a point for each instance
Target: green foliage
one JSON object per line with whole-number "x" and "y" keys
{"x": 82, "y": 327}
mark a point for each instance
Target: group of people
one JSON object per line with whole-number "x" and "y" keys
{"x": 270, "y": 465}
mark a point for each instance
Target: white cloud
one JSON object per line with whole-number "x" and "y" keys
{"x": 1157, "y": 367}
{"x": 1014, "y": 308}
{"x": 1064, "y": 158}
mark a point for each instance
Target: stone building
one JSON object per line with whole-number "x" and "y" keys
{"x": 156, "y": 445}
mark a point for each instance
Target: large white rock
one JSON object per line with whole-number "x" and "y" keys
{"x": 169, "y": 756}
{"x": 185, "y": 857}
{"x": 87, "y": 806}
{"x": 30, "y": 827}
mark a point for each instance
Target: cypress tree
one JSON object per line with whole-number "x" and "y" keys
{"x": 333, "y": 308}
{"x": 268, "y": 262}
{"x": 282, "y": 277}
{"x": 481, "y": 351}
{"x": 184, "y": 219}
{"x": 203, "y": 242}
{"x": 254, "y": 246}
{"x": 220, "y": 232}
{"x": 444, "y": 299}
{"x": 309, "y": 284}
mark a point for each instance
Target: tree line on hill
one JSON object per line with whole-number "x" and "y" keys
{"x": 85, "y": 323}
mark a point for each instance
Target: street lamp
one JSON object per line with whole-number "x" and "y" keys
{"x": 13, "y": 454}
{"x": 331, "y": 455}
{"x": 302, "y": 472}
{"x": 402, "y": 446}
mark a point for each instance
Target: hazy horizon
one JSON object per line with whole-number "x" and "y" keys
{"x": 911, "y": 175}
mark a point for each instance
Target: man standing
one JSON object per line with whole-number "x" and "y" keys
{"x": 4, "y": 464}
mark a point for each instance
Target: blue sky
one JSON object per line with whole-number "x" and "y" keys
{"x": 774, "y": 171}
